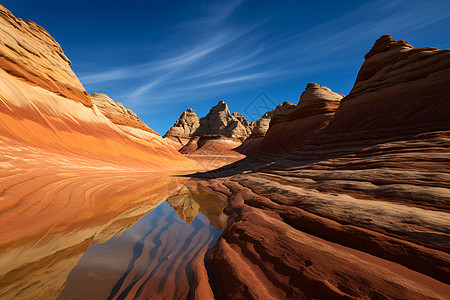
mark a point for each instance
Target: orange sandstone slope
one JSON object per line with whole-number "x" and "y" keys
{"x": 359, "y": 210}
{"x": 43, "y": 104}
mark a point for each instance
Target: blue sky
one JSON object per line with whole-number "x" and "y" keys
{"x": 161, "y": 57}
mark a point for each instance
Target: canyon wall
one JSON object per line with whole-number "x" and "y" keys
{"x": 360, "y": 208}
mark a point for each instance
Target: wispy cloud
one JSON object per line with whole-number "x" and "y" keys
{"x": 225, "y": 54}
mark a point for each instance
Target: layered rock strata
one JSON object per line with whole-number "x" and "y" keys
{"x": 253, "y": 142}
{"x": 44, "y": 105}
{"x": 292, "y": 125}
{"x": 360, "y": 209}
{"x": 183, "y": 129}
{"x": 28, "y": 52}
{"x": 219, "y": 121}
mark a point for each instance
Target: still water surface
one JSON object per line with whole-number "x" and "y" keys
{"x": 142, "y": 253}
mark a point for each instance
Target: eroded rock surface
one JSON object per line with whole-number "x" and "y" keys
{"x": 117, "y": 113}
{"x": 28, "y": 52}
{"x": 292, "y": 125}
{"x": 218, "y": 122}
{"x": 43, "y": 105}
{"x": 358, "y": 210}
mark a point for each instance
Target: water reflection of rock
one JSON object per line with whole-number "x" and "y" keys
{"x": 46, "y": 231}
{"x": 193, "y": 198}
{"x": 156, "y": 258}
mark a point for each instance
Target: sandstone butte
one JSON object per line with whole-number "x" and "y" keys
{"x": 339, "y": 199}
{"x": 358, "y": 206}
{"x": 210, "y": 140}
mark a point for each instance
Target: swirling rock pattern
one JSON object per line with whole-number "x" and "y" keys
{"x": 360, "y": 209}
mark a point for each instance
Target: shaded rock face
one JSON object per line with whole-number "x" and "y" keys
{"x": 358, "y": 205}
{"x": 399, "y": 90}
{"x": 117, "y": 113}
{"x": 281, "y": 112}
{"x": 253, "y": 142}
{"x": 292, "y": 125}
{"x": 44, "y": 107}
{"x": 28, "y": 52}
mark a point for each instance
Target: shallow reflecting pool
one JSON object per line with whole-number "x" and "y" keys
{"x": 141, "y": 247}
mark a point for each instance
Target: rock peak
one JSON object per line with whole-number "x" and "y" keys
{"x": 385, "y": 43}
{"x": 219, "y": 121}
{"x": 222, "y": 105}
{"x": 312, "y": 85}
{"x": 315, "y": 93}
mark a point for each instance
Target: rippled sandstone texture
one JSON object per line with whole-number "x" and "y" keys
{"x": 118, "y": 114}
{"x": 43, "y": 105}
{"x": 212, "y": 151}
{"x": 27, "y": 51}
{"x": 69, "y": 176}
{"x": 360, "y": 209}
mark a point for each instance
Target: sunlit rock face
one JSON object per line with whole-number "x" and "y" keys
{"x": 360, "y": 209}
{"x": 218, "y": 122}
{"x": 28, "y": 52}
{"x": 44, "y": 105}
{"x": 183, "y": 129}
{"x": 210, "y": 140}
{"x": 118, "y": 114}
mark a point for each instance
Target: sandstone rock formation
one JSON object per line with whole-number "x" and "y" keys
{"x": 399, "y": 90}
{"x": 219, "y": 121}
{"x": 211, "y": 139}
{"x": 360, "y": 208}
{"x": 44, "y": 106}
{"x": 28, "y": 52}
{"x": 118, "y": 114}
{"x": 253, "y": 142}
{"x": 212, "y": 151}
{"x": 341, "y": 199}
{"x": 292, "y": 125}
{"x": 183, "y": 129}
